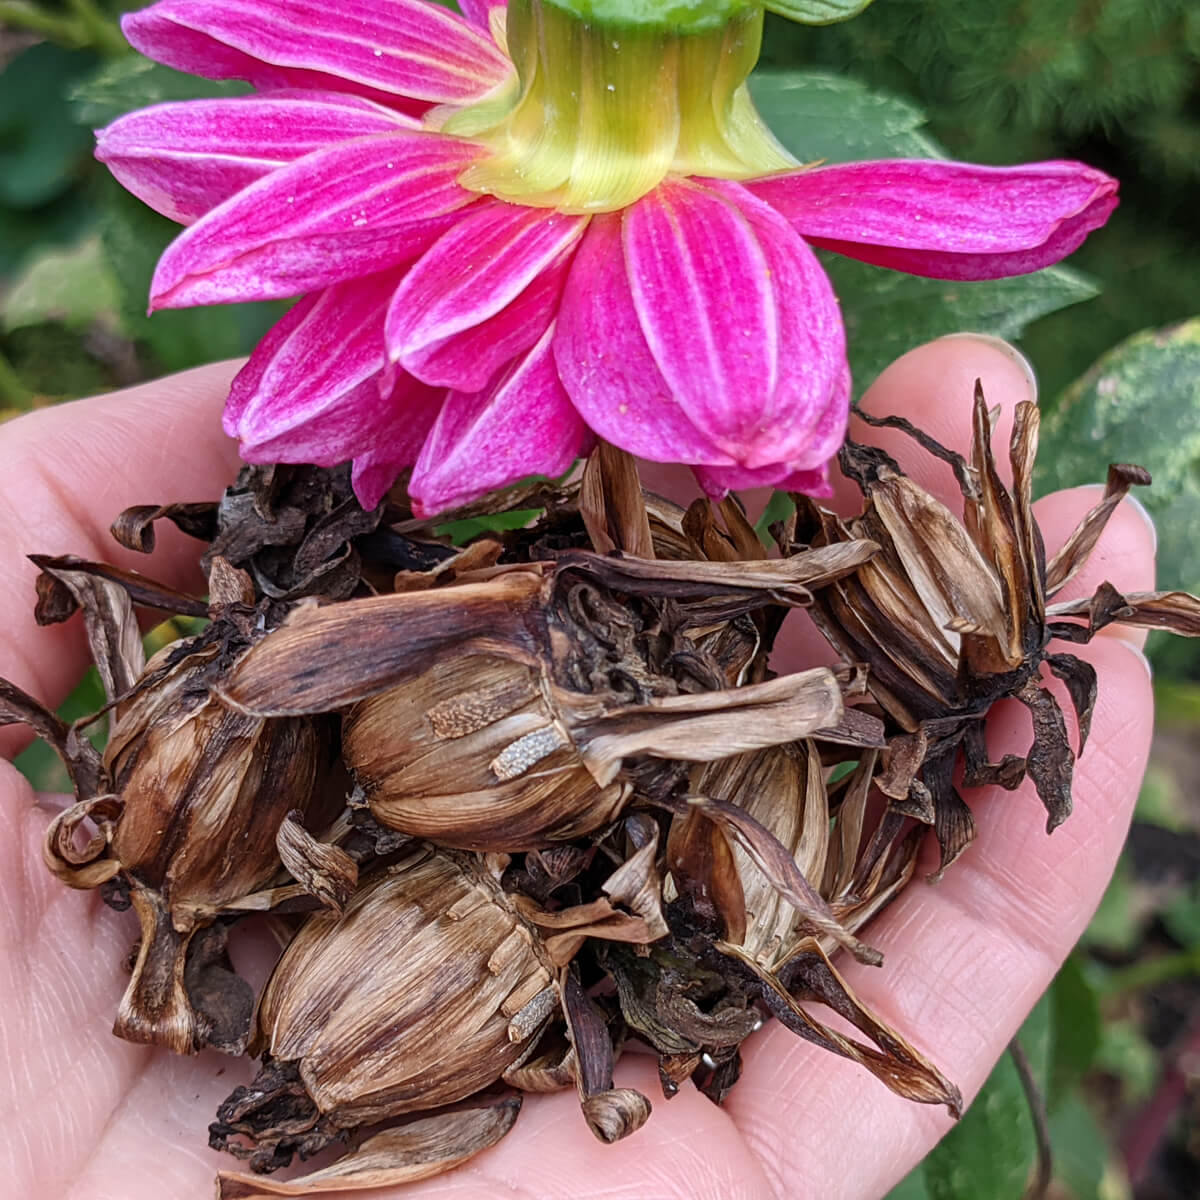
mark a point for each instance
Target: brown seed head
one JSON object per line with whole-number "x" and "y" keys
{"x": 428, "y": 989}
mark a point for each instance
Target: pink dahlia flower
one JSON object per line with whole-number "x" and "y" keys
{"x": 522, "y": 228}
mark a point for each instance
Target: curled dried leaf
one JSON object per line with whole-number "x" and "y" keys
{"x": 421, "y": 1149}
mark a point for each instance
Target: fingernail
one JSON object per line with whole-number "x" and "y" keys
{"x": 1117, "y": 633}
{"x": 1007, "y": 349}
{"x": 1142, "y": 511}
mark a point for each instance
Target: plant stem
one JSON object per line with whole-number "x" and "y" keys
{"x": 13, "y": 393}
{"x": 104, "y": 35}
{"x": 1153, "y": 972}
{"x": 18, "y": 15}
{"x": 1037, "y": 1112}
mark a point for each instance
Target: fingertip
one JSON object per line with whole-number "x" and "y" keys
{"x": 1124, "y": 554}
{"x": 933, "y": 386}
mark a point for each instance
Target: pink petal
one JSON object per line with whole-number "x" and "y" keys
{"x": 185, "y": 158}
{"x": 606, "y": 365}
{"x": 943, "y": 219}
{"x": 484, "y": 268}
{"x": 740, "y": 318}
{"x": 479, "y": 12}
{"x": 385, "y": 50}
{"x": 718, "y": 482}
{"x": 324, "y": 349}
{"x": 522, "y": 426}
{"x": 467, "y": 361}
{"x": 351, "y": 209}
{"x": 704, "y": 299}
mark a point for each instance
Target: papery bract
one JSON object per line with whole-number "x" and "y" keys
{"x": 504, "y": 260}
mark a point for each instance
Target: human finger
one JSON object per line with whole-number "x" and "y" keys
{"x": 65, "y": 474}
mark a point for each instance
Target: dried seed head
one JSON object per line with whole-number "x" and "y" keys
{"x": 203, "y": 793}
{"x": 471, "y": 754}
{"x": 428, "y": 989}
{"x": 506, "y": 714}
{"x": 951, "y": 615}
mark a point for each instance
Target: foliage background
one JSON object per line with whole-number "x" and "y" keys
{"x": 1116, "y": 1042}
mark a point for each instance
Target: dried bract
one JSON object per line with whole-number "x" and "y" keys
{"x": 952, "y": 615}
{"x": 512, "y": 712}
{"x": 428, "y": 989}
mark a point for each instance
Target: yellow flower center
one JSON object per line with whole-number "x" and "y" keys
{"x": 604, "y": 107}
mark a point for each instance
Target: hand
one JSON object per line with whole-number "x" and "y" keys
{"x": 88, "y": 1117}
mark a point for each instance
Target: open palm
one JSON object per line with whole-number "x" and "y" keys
{"x": 88, "y": 1117}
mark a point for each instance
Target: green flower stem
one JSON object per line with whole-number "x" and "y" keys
{"x": 15, "y": 14}
{"x": 104, "y": 34}
{"x": 88, "y": 28}
{"x": 1153, "y": 972}
{"x": 13, "y": 393}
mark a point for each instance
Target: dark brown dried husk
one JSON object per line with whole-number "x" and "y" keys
{"x": 427, "y": 990}
{"x": 497, "y": 715}
{"x": 952, "y": 615}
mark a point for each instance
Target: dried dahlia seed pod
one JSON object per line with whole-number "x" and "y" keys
{"x": 487, "y": 716}
{"x": 428, "y": 989}
{"x": 789, "y": 883}
{"x": 470, "y": 754}
{"x": 188, "y": 800}
{"x": 204, "y": 792}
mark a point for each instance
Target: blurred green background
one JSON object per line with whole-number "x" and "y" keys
{"x": 1115, "y": 1045}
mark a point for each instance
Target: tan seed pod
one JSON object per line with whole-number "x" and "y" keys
{"x": 189, "y": 800}
{"x": 497, "y": 715}
{"x": 428, "y": 989}
{"x": 785, "y": 870}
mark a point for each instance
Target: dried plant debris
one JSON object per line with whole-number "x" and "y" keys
{"x": 954, "y": 614}
{"x": 552, "y": 772}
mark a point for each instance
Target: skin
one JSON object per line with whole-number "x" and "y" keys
{"x": 88, "y": 1117}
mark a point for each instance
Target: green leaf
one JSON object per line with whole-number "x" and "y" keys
{"x": 988, "y": 1154}
{"x": 1182, "y": 917}
{"x": 1075, "y": 1030}
{"x": 42, "y": 151}
{"x": 1117, "y": 925}
{"x": 74, "y": 287}
{"x": 830, "y": 118}
{"x": 818, "y": 12}
{"x": 911, "y": 1187}
{"x": 887, "y": 314}
{"x": 134, "y": 237}
{"x": 461, "y": 532}
{"x": 134, "y": 82}
{"x": 1083, "y": 1159}
{"x": 1125, "y": 1053}
{"x": 1140, "y": 403}
{"x": 778, "y": 508}
{"x": 827, "y": 118}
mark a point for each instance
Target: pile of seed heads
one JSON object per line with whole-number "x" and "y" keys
{"x": 510, "y": 800}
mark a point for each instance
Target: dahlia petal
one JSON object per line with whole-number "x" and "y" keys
{"x": 475, "y": 271}
{"x": 524, "y": 425}
{"x": 943, "y": 219}
{"x": 325, "y": 349}
{"x": 467, "y": 361}
{"x": 718, "y": 482}
{"x": 606, "y": 365}
{"x": 353, "y": 208}
{"x": 804, "y": 422}
{"x": 707, "y": 307}
{"x": 479, "y": 12}
{"x": 404, "y": 48}
{"x": 185, "y": 158}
